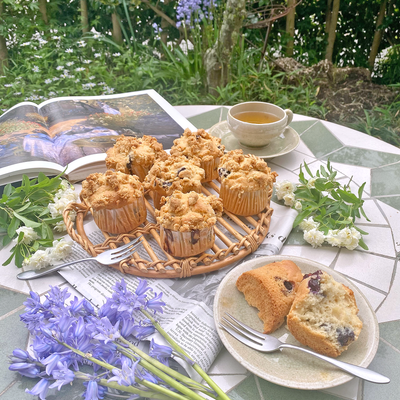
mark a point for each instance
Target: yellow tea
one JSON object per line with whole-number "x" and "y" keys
{"x": 256, "y": 117}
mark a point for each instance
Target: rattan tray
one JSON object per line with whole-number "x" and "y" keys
{"x": 255, "y": 229}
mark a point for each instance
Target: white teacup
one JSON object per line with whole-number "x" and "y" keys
{"x": 257, "y": 134}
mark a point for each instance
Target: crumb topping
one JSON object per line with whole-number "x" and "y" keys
{"x": 129, "y": 151}
{"x": 175, "y": 173}
{"x": 189, "y": 211}
{"x": 245, "y": 172}
{"x": 198, "y": 144}
{"x": 111, "y": 190}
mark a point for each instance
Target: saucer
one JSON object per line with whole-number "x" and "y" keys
{"x": 288, "y": 140}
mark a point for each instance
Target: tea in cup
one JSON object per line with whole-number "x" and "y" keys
{"x": 256, "y": 123}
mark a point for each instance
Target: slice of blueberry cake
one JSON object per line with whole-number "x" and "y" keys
{"x": 323, "y": 315}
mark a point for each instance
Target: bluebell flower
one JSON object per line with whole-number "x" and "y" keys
{"x": 63, "y": 375}
{"x": 160, "y": 352}
{"x": 106, "y": 331}
{"x": 93, "y": 390}
{"x": 126, "y": 375}
{"x": 40, "y": 389}
{"x": 141, "y": 331}
{"x": 33, "y": 304}
{"x": 51, "y": 362}
{"x": 155, "y": 303}
{"x": 26, "y": 369}
{"x": 142, "y": 288}
{"x": 19, "y": 355}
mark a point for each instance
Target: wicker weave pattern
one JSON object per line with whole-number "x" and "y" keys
{"x": 171, "y": 267}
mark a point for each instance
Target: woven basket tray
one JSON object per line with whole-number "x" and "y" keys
{"x": 169, "y": 267}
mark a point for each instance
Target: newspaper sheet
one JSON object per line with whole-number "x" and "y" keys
{"x": 188, "y": 315}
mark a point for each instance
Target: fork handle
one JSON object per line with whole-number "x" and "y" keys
{"x": 355, "y": 370}
{"x": 33, "y": 274}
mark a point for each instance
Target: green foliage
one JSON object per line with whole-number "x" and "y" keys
{"x": 332, "y": 205}
{"x": 27, "y": 205}
{"x": 381, "y": 122}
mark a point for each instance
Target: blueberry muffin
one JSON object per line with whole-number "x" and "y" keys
{"x": 135, "y": 156}
{"x": 271, "y": 289}
{"x": 175, "y": 173}
{"x": 116, "y": 200}
{"x": 187, "y": 223}
{"x": 202, "y": 145}
{"x": 246, "y": 183}
{"x": 323, "y": 315}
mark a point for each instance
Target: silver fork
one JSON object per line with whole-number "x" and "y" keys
{"x": 108, "y": 257}
{"x": 267, "y": 344}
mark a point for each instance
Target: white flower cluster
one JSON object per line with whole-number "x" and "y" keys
{"x": 62, "y": 198}
{"x": 51, "y": 256}
{"x": 346, "y": 237}
{"x": 29, "y": 235}
{"x": 285, "y": 191}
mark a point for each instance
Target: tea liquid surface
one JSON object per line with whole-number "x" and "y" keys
{"x": 256, "y": 117}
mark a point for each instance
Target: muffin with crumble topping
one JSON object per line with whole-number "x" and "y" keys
{"x": 187, "y": 223}
{"x": 246, "y": 183}
{"x": 202, "y": 145}
{"x": 175, "y": 173}
{"x": 135, "y": 156}
{"x": 116, "y": 200}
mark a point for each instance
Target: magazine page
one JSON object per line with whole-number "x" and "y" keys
{"x": 17, "y": 126}
{"x": 77, "y": 131}
{"x": 83, "y": 126}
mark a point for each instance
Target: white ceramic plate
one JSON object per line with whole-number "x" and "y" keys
{"x": 288, "y": 367}
{"x": 283, "y": 144}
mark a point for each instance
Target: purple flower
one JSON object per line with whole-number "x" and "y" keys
{"x": 93, "y": 390}
{"x": 155, "y": 303}
{"x": 40, "y": 389}
{"x": 141, "y": 331}
{"x": 63, "y": 375}
{"x": 160, "y": 352}
{"x": 51, "y": 362}
{"x": 106, "y": 331}
{"x": 126, "y": 375}
{"x": 26, "y": 369}
{"x": 20, "y": 355}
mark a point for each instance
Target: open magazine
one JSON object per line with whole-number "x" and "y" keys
{"x": 73, "y": 133}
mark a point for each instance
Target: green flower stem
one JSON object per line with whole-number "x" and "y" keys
{"x": 176, "y": 375}
{"x": 142, "y": 393}
{"x": 196, "y": 367}
{"x": 171, "y": 381}
{"x": 144, "y": 382}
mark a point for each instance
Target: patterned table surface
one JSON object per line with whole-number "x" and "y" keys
{"x": 353, "y": 154}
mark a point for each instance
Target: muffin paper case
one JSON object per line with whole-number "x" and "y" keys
{"x": 244, "y": 203}
{"x": 186, "y": 244}
{"x": 140, "y": 171}
{"x": 210, "y": 169}
{"x": 123, "y": 219}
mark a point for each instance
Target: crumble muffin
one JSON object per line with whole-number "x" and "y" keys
{"x": 246, "y": 183}
{"x": 116, "y": 200}
{"x": 175, "y": 173}
{"x": 202, "y": 145}
{"x": 323, "y": 315}
{"x": 187, "y": 223}
{"x": 135, "y": 156}
{"x": 271, "y": 289}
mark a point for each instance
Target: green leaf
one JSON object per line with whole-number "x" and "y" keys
{"x": 42, "y": 177}
{"x": 323, "y": 171}
{"x": 302, "y": 215}
{"x": 320, "y": 184}
{"x": 362, "y": 244}
{"x": 19, "y": 257}
{"x": 8, "y": 190}
{"x": 9, "y": 259}
{"x": 5, "y": 240}
{"x": 12, "y": 228}
{"x": 23, "y": 208}
{"x": 363, "y": 214}
{"x": 27, "y": 222}
{"x": 347, "y": 196}
{"x": 26, "y": 183}
{"x": 308, "y": 170}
